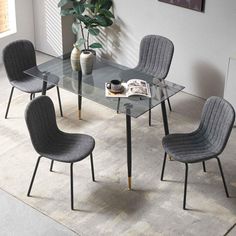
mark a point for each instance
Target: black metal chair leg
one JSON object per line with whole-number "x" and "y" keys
{"x": 163, "y": 166}
{"x": 168, "y": 100}
{"x": 51, "y": 166}
{"x": 150, "y": 112}
{"x": 9, "y": 102}
{"x": 32, "y": 96}
{"x": 59, "y": 100}
{"x": 185, "y": 186}
{"x": 32, "y": 180}
{"x": 92, "y": 167}
{"x": 71, "y": 186}
{"x": 223, "y": 178}
{"x": 204, "y": 166}
{"x": 118, "y": 106}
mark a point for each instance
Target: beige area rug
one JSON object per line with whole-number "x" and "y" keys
{"x": 106, "y": 207}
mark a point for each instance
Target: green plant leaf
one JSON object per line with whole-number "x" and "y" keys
{"x": 79, "y": 8}
{"x": 67, "y": 12}
{"x": 106, "y": 13}
{"x": 106, "y": 4}
{"x": 75, "y": 27}
{"x": 103, "y": 21}
{"x": 94, "y": 31}
{"x": 95, "y": 45}
{"x": 108, "y": 21}
{"x": 90, "y": 6}
{"x": 85, "y": 19}
{"x": 100, "y": 19}
{"x": 63, "y": 3}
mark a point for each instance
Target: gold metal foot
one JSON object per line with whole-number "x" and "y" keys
{"x": 129, "y": 183}
{"x": 170, "y": 158}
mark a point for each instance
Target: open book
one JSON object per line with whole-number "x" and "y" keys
{"x": 132, "y": 87}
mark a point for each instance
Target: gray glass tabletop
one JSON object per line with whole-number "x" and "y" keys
{"x": 58, "y": 71}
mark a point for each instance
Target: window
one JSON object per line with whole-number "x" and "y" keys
{"x": 7, "y": 18}
{"x": 4, "y": 18}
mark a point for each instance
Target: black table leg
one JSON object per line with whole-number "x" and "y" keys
{"x": 165, "y": 120}
{"x": 44, "y": 89}
{"x": 164, "y": 116}
{"x": 118, "y": 106}
{"x": 150, "y": 112}
{"x": 129, "y": 144}
{"x": 79, "y": 94}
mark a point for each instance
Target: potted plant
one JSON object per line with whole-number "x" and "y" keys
{"x": 90, "y": 16}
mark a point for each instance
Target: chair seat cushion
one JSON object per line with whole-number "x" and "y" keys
{"x": 66, "y": 147}
{"x": 30, "y": 84}
{"x": 188, "y": 147}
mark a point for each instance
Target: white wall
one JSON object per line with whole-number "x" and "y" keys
{"x": 48, "y": 33}
{"x": 53, "y": 34}
{"x": 24, "y": 24}
{"x": 203, "y": 41}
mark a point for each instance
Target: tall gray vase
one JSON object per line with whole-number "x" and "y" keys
{"x": 86, "y": 62}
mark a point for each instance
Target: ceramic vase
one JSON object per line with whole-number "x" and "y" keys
{"x": 86, "y": 61}
{"x": 75, "y": 59}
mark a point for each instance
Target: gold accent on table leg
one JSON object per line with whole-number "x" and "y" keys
{"x": 170, "y": 158}
{"x": 129, "y": 183}
{"x": 79, "y": 114}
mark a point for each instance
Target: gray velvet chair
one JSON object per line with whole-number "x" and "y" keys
{"x": 207, "y": 142}
{"x": 155, "y": 56}
{"x": 19, "y": 56}
{"x": 52, "y": 143}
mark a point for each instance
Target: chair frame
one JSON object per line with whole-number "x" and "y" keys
{"x": 71, "y": 177}
{"x": 186, "y": 176}
{"x": 32, "y": 96}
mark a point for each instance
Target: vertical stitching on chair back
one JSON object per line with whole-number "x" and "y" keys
{"x": 155, "y": 55}
{"x": 41, "y": 122}
{"x": 216, "y": 123}
{"x": 17, "y": 57}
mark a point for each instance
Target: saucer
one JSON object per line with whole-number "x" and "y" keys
{"x": 121, "y": 90}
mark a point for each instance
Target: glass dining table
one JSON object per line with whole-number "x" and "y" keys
{"x": 58, "y": 71}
